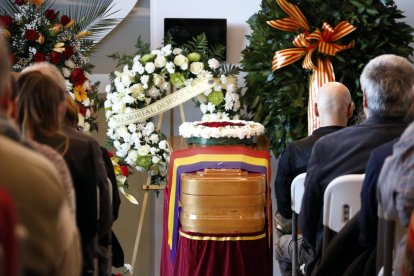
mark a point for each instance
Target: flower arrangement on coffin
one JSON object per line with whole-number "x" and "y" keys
{"x": 147, "y": 76}
{"x": 38, "y": 33}
{"x": 221, "y": 132}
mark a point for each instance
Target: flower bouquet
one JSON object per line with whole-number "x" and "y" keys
{"x": 38, "y": 33}
{"x": 146, "y": 77}
{"x": 221, "y": 132}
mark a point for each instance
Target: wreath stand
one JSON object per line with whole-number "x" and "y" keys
{"x": 148, "y": 186}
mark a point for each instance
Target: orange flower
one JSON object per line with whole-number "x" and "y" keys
{"x": 80, "y": 93}
{"x": 56, "y": 28}
{"x": 83, "y": 34}
{"x": 37, "y": 3}
{"x": 41, "y": 39}
{"x": 6, "y": 33}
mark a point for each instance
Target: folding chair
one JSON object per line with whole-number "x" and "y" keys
{"x": 390, "y": 231}
{"x": 296, "y": 192}
{"x": 341, "y": 202}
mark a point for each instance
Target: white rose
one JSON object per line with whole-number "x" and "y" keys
{"x": 160, "y": 61}
{"x": 177, "y": 51}
{"x": 196, "y": 67}
{"x": 154, "y": 92}
{"x": 150, "y": 67}
{"x": 180, "y": 60}
{"x": 69, "y": 63}
{"x": 213, "y": 63}
{"x": 66, "y": 72}
{"x": 136, "y": 89}
{"x": 144, "y": 150}
{"x": 158, "y": 80}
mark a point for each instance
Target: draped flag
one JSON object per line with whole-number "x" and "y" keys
{"x": 306, "y": 44}
{"x": 217, "y": 157}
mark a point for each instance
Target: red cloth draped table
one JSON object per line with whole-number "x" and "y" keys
{"x": 193, "y": 253}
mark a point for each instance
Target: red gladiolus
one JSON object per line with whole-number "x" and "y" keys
{"x": 50, "y": 14}
{"x": 110, "y": 154}
{"x": 220, "y": 124}
{"x": 77, "y": 77}
{"x": 55, "y": 58}
{"x": 5, "y": 21}
{"x": 64, "y": 20}
{"x": 39, "y": 57}
{"x": 19, "y": 2}
{"x": 82, "y": 110}
{"x": 124, "y": 170}
{"x": 31, "y": 35}
{"x": 68, "y": 52}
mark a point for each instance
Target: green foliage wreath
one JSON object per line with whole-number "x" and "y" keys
{"x": 279, "y": 100}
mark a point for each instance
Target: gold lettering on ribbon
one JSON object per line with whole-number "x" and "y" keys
{"x": 197, "y": 87}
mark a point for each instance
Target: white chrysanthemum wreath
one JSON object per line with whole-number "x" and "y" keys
{"x": 147, "y": 77}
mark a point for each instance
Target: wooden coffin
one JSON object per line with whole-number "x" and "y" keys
{"x": 222, "y": 201}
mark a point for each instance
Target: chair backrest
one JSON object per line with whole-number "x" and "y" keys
{"x": 342, "y": 200}
{"x": 296, "y": 192}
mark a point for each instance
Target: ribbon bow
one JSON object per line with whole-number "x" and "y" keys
{"x": 306, "y": 43}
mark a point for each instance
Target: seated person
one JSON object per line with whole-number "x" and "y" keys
{"x": 386, "y": 100}
{"x": 333, "y": 107}
{"x": 396, "y": 185}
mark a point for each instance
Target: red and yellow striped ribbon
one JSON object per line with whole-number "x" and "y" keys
{"x": 306, "y": 43}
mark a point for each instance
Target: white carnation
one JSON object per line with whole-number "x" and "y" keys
{"x": 144, "y": 79}
{"x": 177, "y": 51}
{"x": 213, "y": 63}
{"x": 166, "y": 50}
{"x": 65, "y": 72}
{"x": 158, "y": 80}
{"x": 162, "y": 144}
{"x": 108, "y": 88}
{"x": 170, "y": 67}
{"x": 69, "y": 63}
{"x": 156, "y": 159}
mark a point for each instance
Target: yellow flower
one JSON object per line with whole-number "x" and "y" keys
{"x": 80, "y": 93}
{"x": 37, "y": 3}
{"x": 83, "y": 34}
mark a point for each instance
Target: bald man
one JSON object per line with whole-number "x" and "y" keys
{"x": 333, "y": 107}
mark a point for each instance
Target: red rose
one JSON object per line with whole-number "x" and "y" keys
{"x": 39, "y": 57}
{"x": 68, "y": 52}
{"x": 19, "y": 2}
{"x": 50, "y": 14}
{"x": 82, "y": 110}
{"x": 31, "y": 35}
{"x": 124, "y": 170}
{"x": 55, "y": 58}
{"x": 77, "y": 77}
{"x": 220, "y": 124}
{"x": 64, "y": 20}
{"x": 5, "y": 20}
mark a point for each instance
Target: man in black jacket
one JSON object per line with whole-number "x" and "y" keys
{"x": 333, "y": 107}
{"x": 386, "y": 83}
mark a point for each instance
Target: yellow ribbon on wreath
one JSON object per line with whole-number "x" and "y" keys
{"x": 306, "y": 43}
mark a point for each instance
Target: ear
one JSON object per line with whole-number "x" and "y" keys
{"x": 350, "y": 110}
{"x": 364, "y": 100}
{"x": 315, "y": 108}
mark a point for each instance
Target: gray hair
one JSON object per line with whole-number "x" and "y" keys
{"x": 4, "y": 65}
{"x": 387, "y": 82}
{"x": 49, "y": 70}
